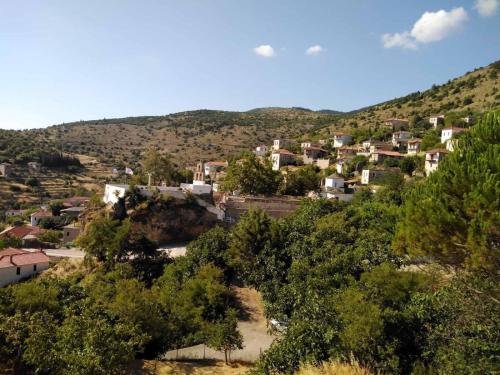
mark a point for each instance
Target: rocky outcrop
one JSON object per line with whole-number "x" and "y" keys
{"x": 171, "y": 220}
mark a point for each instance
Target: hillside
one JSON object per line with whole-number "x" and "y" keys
{"x": 472, "y": 93}
{"x": 188, "y": 136}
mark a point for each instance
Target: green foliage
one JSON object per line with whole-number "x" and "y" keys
{"x": 461, "y": 200}
{"x": 9, "y": 241}
{"x": 160, "y": 166}
{"x": 252, "y": 176}
{"x": 50, "y": 236}
{"x": 224, "y": 336}
{"x": 430, "y": 140}
{"x": 302, "y": 181}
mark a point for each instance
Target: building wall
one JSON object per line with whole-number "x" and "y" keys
{"x": 70, "y": 234}
{"x": 112, "y": 193}
{"x": 9, "y": 276}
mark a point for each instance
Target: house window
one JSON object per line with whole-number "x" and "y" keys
{"x": 34, "y": 267}
{"x": 18, "y": 271}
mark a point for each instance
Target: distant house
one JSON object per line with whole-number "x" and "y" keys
{"x": 5, "y": 169}
{"x": 26, "y": 234}
{"x": 261, "y": 150}
{"x": 334, "y": 181}
{"x": 37, "y": 216}
{"x": 338, "y": 195}
{"x": 281, "y": 158}
{"x": 17, "y": 264}
{"x": 380, "y": 156}
{"x": 400, "y": 138}
{"x": 212, "y": 167}
{"x": 396, "y": 123}
{"x": 305, "y": 144}
{"x": 341, "y": 139}
{"x": 279, "y": 144}
{"x": 414, "y": 146}
{"x": 34, "y": 166}
{"x": 436, "y": 120}
{"x": 433, "y": 158}
{"x": 10, "y": 213}
{"x": 374, "y": 175}
{"x": 72, "y": 212}
{"x": 341, "y": 164}
{"x": 311, "y": 154}
{"x": 346, "y": 151}
{"x": 380, "y": 146}
{"x": 76, "y": 201}
{"x": 129, "y": 171}
{"x": 448, "y": 133}
{"x": 70, "y": 233}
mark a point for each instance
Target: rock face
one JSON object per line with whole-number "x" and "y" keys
{"x": 172, "y": 220}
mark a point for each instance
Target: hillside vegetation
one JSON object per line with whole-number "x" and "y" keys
{"x": 470, "y": 94}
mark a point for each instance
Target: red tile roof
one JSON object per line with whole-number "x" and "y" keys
{"x": 42, "y": 213}
{"x": 11, "y": 251}
{"x": 21, "y": 232}
{"x": 22, "y": 259}
{"x": 415, "y": 140}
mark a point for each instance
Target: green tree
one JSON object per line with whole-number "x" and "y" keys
{"x": 252, "y": 176}
{"x": 302, "y": 181}
{"x": 224, "y": 335}
{"x": 461, "y": 200}
{"x": 160, "y": 166}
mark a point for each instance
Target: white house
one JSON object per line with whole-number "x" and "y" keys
{"x": 17, "y": 264}
{"x": 448, "y": 133}
{"x": 10, "y": 213}
{"x": 433, "y": 158}
{"x": 261, "y": 150}
{"x": 113, "y": 192}
{"x": 396, "y": 123}
{"x": 305, "y": 145}
{"x": 436, "y": 120}
{"x": 341, "y": 139}
{"x": 334, "y": 181}
{"x": 400, "y": 137}
{"x": 280, "y": 158}
{"x": 414, "y": 146}
{"x": 214, "y": 167}
{"x": 37, "y": 216}
{"x": 337, "y": 195}
{"x": 129, "y": 171}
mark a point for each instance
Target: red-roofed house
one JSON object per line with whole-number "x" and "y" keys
{"x": 76, "y": 201}
{"x": 448, "y": 133}
{"x": 414, "y": 146}
{"x": 17, "y": 264}
{"x": 22, "y": 232}
{"x": 37, "y": 216}
{"x": 380, "y": 156}
{"x": 396, "y": 123}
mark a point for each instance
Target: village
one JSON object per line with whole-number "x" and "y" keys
{"x": 37, "y": 234}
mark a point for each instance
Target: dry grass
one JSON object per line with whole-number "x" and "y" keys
{"x": 65, "y": 267}
{"x": 333, "y": 368}
{"x": 192, "y": 368}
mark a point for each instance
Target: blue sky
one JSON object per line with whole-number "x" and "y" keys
{"x": 63, "y": 61}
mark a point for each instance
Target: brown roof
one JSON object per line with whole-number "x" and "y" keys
{"x": 11, "y": 251}
{"x": 22, "y": 259}
{"x": 216, "y": 163}
{"x": 42, "y": 213}
{"x": 21, "y": 232}
{"x": 314, "y": 148}
{"x": 415, "y": 140}
{"x": 388, "y": 153}
{"x": 283, "y": 152}
{"x": 437, "y": 151}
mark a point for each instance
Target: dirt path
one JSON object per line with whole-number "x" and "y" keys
{"x": 252, "y": 327}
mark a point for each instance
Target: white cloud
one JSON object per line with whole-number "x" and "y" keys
{"x": 430, "y": 27}
{"x": 403, "y": 40}
{"x": 314, "y": 50}
{"x": 486, "y": 8}
{"x": 265, "y": 50}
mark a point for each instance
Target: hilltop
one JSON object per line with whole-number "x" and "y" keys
{"x": 470, "y": 94}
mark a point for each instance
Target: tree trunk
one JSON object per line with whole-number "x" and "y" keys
{"x": 225, "y": 355}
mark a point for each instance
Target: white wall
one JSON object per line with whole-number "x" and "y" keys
{"x": 113, "y": 192}
{"x": 9, "y": 276}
